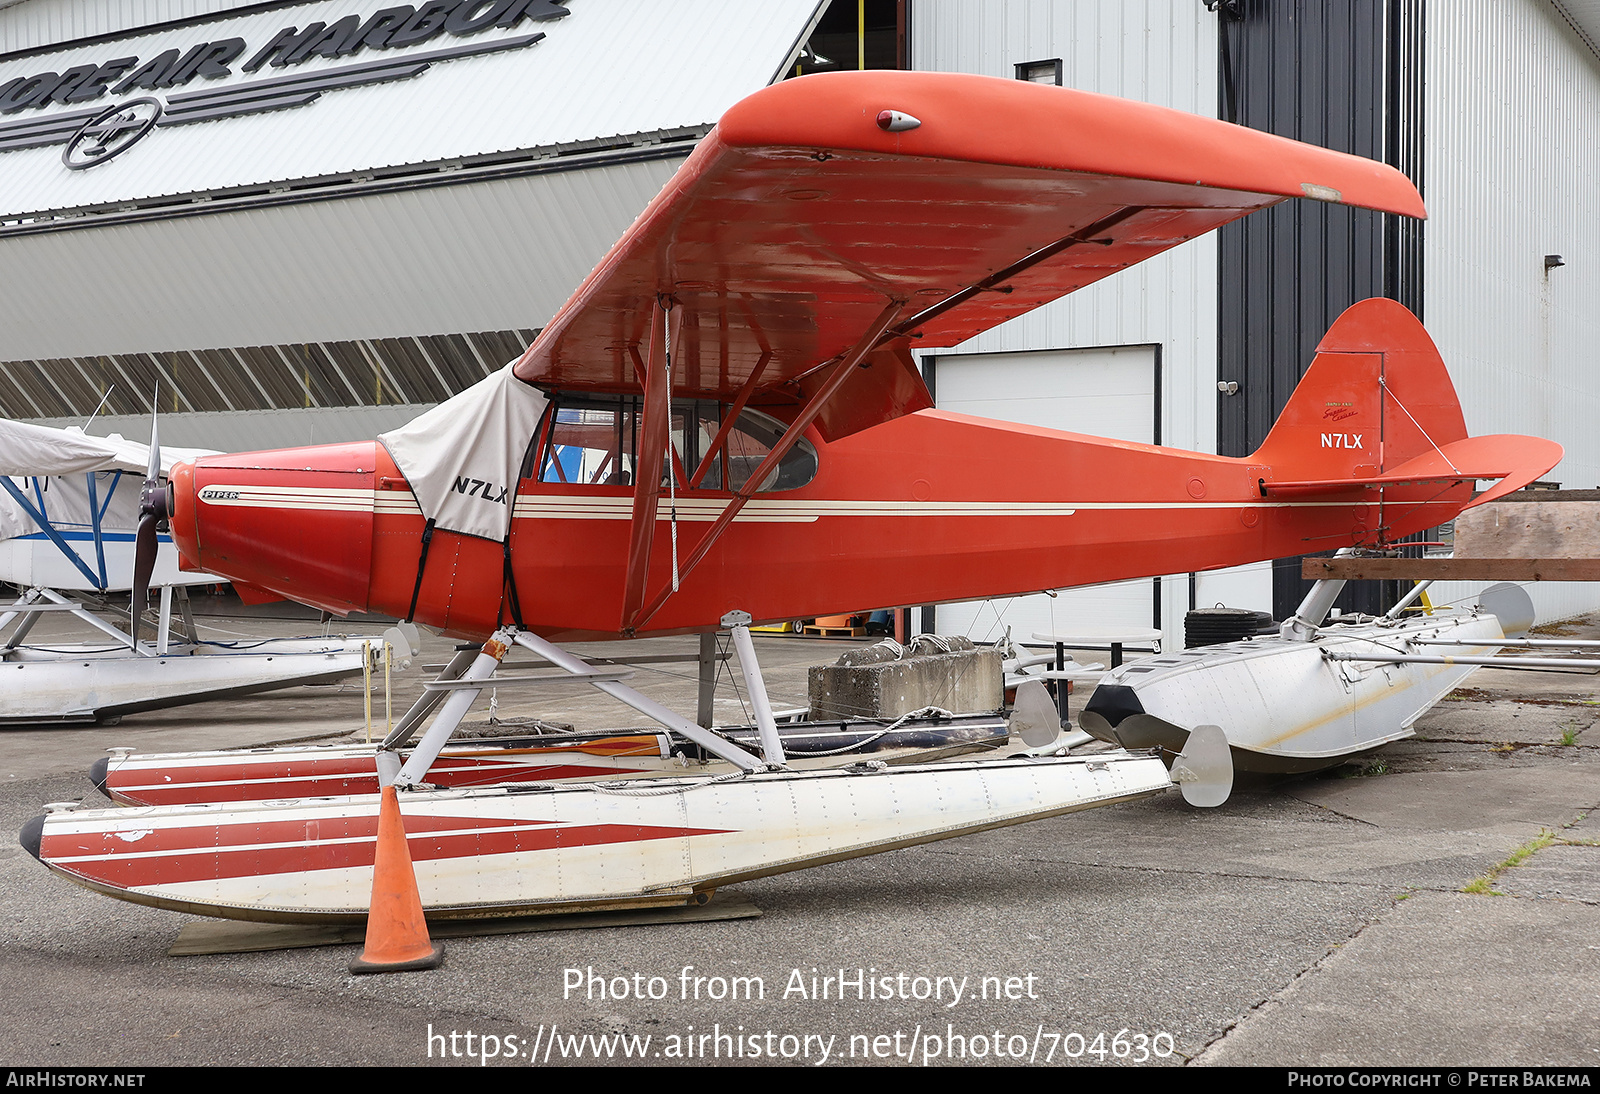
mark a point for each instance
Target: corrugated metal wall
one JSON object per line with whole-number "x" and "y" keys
{"x": 41, "y": 22}
{"x": 1513, "y": 150}
{"x": 497, "y": 255}
{"x": 1346, "y": 76}
{"x": 1152, "y": 50}
{"x": 1334, "y": 74}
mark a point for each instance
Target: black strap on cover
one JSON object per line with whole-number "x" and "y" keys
{"x": 509, "y": 598}
{"x": 422, "y": 564}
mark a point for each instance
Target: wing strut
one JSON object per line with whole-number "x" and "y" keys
{"x": 729, "y": 418}
{"x": 647, "y": 468}
{"x": 808, "y": 413}
{"x": 996, "y": 282}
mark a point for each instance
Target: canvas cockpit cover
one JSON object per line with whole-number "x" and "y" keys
{"x": 462, "y": 458}
{"x": 27, "y": 450}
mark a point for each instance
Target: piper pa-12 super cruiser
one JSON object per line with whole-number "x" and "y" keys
{"x": 724, "y": 425}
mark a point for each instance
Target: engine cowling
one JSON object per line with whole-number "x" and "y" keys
{"x": 297, "y": 522}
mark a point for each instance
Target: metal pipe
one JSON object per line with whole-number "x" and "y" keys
{"x": 705, "y": 715}
{"x": 428, "y": 700}
{"x": 94, "y": 620}
{"x": 1484, "y": 662}
{"x": 513, "y": 681}
{"x": 1302, "y": 625}
{"x": 94, "y": 519}
{"x": 1545, "y": 643}
{"x": 164, "y": 621}
{"x": 651, "y": 709}
{"x": 1410, "y": 598}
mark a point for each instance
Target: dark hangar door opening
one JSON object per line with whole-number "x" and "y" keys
{"x": 1342, "y": 76}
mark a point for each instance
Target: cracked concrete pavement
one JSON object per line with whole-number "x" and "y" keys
{"x": 1316, "y": 920}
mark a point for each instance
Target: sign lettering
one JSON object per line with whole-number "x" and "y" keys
{"x": 383, "y": 39}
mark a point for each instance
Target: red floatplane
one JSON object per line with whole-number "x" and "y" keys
{"x": 725, "y": 424}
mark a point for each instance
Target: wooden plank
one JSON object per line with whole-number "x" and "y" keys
{"x": 1530, "y": 528}
{"x": 1452, "y": 569}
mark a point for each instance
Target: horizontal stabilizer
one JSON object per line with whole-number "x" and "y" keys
{"x": 1377, "y": 409}
{"x": 1514, "y": 460}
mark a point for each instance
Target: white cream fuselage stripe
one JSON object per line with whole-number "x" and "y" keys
{"x": 327, "y": 499}
{"x": 757, "y": 511}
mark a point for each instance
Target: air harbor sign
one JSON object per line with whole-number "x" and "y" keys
{"x": 390, "y": 37}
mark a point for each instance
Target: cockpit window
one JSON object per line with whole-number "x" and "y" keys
{"x": 593, "y": 441}
{"x": 591, "y": 445}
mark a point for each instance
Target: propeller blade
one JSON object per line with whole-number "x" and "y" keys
{"x": 153, "y": 512}
{"x": 144, "y": 564}
{"x": 154, "y": 468}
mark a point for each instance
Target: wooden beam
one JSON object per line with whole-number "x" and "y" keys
{"x": 1530, "y": 527}
{"x": 1451, "y": 569}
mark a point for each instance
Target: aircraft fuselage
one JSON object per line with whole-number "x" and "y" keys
{"x": 928, "y": 508}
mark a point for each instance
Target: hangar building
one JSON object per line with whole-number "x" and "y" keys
{"x": 301, "y": 221}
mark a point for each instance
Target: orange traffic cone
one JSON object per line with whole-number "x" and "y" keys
{"x": 397, "y": 934}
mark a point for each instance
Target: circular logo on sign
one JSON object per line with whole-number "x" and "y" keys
{"x": 110, "y": 133}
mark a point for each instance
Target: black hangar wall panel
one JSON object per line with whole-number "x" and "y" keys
{"x": 1346, "y": 76}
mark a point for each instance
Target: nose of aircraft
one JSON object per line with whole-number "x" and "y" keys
{"x": 294, "y": 522}
{"x": 181, "y": 510}
{"x": 32, "y": 836}
{"x": 99, "y": 772}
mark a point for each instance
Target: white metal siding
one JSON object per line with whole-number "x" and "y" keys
{"x": 1513, "y": 152}
{"x": 608, "y": 69}
{"x": 1108, "y": 392}
{"x": 32, "y": 23}
{"x": 487, "y": 256}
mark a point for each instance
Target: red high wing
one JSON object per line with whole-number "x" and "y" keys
{"x": 798, "y": 218}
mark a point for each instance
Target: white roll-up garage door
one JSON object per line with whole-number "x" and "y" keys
{"x": 1109, "y": 391}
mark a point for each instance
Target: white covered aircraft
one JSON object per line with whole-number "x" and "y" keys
{"x": 69, "y": 514}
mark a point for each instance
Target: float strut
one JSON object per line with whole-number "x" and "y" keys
{"x": 454, "y": 709}
{"x": 738, "y": 624}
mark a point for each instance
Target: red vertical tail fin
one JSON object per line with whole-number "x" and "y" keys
{"x": 1377, "y": 408}
{"x": 1376, "y": 395}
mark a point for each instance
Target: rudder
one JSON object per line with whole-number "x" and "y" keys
{"x": 1376, "y": 395}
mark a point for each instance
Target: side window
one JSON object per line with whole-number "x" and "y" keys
{"x": 591, "y": 445}
{"x": 593, "y": 441}
{"x": 749, "y": 441}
